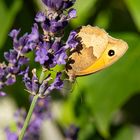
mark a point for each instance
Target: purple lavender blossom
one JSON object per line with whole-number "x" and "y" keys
{"x": 46, "y": 45}
{"x": 32, "y": 85}
{"x": 57, "y": 84}
{"x": 6, "y": 78}
{"x": 11, "y": 56}
{"x": 60, "y": 58}
{"x": 10, "y": 80}
{"x": 45, "y": 42}
{"x": 72, "y": 13}
{"x": 22, "y": 61}
{"x": 42, "y": 54}
{"x": 56, "y": 46}
{"x": 40, "y": 17}
{"x": 11, "y": 135}
{"x": 71, "y": 42}
{"x": 34, "y": 36}
{"x": 14, "y": 33}
{"x": 57, "y": 25}
{"x": 58, "y": 4}
{"x": 18, "y": 44}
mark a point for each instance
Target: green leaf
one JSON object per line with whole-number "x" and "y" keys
{"x": 83, "y": 11}
{"x": 87, "y": 131}
{"x": 7, "y": 16}
{"x": 103, "y": 19}
{"x": 134, "y": 9}
{"x": 125, "y": 133}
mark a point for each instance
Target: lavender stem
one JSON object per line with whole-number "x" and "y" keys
{"x": 28, "y": 118}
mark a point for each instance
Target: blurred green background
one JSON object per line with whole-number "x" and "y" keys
{"x": 104, "y": 105}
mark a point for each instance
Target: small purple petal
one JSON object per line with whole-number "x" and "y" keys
{"x": 23, "y": 60}
{"x": 40, "y": 17}
{"x": 41, "y": 55}
{"x": 72, "y": 13}
{"x": 13, "y": 69}
{"x": 61, "y": 58}
{"x": 23, "y": 72}
{"x": 58, "y": 25}
{"x": 14, "y": 33}
{"x": 34, "y": 36}
{"x": 55, "y": 46}
{"x": 10, "y": 80}
{"x": 71, "y": 42}
{"x": 11, "y": 56}
{"x": 57, "y": 84}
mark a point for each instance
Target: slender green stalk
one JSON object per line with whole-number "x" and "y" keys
{"x": 29, "y": 115}
{"x": 28, "y": 118}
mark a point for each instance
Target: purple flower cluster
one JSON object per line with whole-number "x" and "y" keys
{"x": 45, "y": 42}
{"x": 41, "y": 113}
{"x": 46, "y": 45}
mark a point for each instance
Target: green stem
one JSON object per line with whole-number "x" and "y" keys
{"x": 28, "y": 118}
{"x": 41, "y": 76}
{"x": 29, "y": 115}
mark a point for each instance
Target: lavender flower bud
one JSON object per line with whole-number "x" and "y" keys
{"x": 44, "y": 85}
{"x": 57, "y": 84}
{"x": 32, "y": 85}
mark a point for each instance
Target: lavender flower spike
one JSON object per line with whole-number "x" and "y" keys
{"x": 45, "y": 42}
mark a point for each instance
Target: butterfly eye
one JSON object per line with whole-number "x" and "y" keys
{"x": 111, "y": 52}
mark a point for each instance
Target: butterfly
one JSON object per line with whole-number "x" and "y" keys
{"x": 96, "y": 51}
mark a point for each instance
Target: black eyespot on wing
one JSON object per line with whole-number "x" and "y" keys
{"x": 111, "y": 52}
